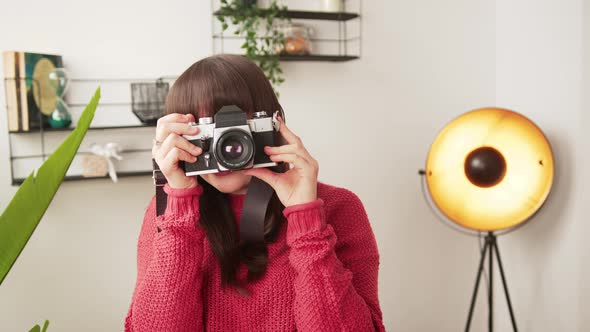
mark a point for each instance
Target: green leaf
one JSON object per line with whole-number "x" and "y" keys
{"x": 35, "y": 328}
{"x": 27, "y": 207}
{"x": 45, "y": 325}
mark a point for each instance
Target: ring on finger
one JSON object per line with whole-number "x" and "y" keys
{"x": 156, "y": 142}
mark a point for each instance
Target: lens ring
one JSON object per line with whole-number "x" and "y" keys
{"x": 242, "y": 157}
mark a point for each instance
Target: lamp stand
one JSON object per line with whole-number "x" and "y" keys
{"x": 490, "y": 247}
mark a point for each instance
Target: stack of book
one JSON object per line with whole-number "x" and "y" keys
{"x": 30, "y": 98}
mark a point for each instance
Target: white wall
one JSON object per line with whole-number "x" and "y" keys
{"x": 424, "y": 62}
{"x": 539, "y": 71}
{"x": 582, "y": 150}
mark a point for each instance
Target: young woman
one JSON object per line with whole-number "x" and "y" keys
{"x": 318, "y": 268}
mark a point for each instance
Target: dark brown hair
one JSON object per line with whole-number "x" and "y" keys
{"x": 202, "y": 90}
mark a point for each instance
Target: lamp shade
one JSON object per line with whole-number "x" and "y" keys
{"x": 489, "y": 169}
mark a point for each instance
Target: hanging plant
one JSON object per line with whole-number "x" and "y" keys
{"x": 262, "y": 40}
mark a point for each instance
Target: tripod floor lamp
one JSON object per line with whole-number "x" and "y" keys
{"x": 488, "y": 171}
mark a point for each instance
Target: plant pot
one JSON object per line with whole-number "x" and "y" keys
{"x": 332, "y": 5}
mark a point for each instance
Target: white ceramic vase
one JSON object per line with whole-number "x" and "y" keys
{"x": 332, "y": 5}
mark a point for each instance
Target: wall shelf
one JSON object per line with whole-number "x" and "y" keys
{"x": 331, "y": 40}
{"x": 19, "y": 181}
{"x": 114, "y": 122}
{"x": 304, "y": 15}
{"x": 48, "y": 130}
{"x": 317, "y": 57}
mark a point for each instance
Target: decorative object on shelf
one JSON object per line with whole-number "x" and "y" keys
{"x": 332, "y": 5}
{"x": 94, "y": 166}
{"x": 148, "y": 100}
{"x": 260, "y": 44}
{"x": 297, "y": 39}
{"x": 25, "y": 210}
{"x": 29, "y": 99}
{"x": 107, "y": 153}
{"x": 488, "y": 170}
{"x": 58, "y": 83}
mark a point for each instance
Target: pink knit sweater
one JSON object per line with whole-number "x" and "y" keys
{"x": 321, "y": 275}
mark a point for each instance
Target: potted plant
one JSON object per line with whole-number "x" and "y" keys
{"x": 262, "y": 40}
{"x": 27, "y": 207}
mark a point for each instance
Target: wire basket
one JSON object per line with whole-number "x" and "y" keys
{"x": 148, "y": 100}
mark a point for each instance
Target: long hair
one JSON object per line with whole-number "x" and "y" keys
{"x": 202, "y": 90}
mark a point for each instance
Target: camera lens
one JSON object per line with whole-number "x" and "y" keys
{"x": 234, "y": 149}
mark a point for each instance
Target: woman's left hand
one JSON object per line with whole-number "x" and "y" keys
{"x": 299, "y": 184}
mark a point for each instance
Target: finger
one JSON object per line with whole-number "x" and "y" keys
{"x": 289, "y": 136}
{"x": 265, "y": 175}
{"x": 175, "y": 155}
{"x": 176, "y": 117}
{"x": 289, "y": 148}
{"x": 165, "y": 128}
{"x": 182, "y": 143}
{"x": 297, "y": 161}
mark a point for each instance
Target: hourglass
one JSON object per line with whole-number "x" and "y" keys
{"x": 59, "y": 80}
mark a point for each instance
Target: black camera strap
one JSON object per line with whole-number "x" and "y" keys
{"x": 159, "y": 182}
{"x": 253, "y": 212}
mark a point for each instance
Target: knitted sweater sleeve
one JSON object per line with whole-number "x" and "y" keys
{"x": 169, "y": 267}
{"x": 336, "y": 264}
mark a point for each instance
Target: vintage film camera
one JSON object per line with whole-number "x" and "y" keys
{"x": 232, "y": 142}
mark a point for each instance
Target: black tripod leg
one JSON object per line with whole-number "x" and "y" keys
{"x": 479, "y": 272}
{"x": 505, "y": 288}
{"x": 492, "y": 240}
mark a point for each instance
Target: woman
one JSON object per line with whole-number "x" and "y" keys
{"x": 318, "y": 268}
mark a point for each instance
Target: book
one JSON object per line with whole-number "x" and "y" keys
{"x": 30, "y": 98}
{"x": 11, "y": 84}
{"x": 36, "y": 95}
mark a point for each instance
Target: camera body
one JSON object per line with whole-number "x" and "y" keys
{"x": 232, "y": 142}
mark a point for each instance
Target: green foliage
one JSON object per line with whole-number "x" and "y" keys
{"x": 27, "y": 207}
{"x": 261, "y": 38}
{"x": 37, "y": 328}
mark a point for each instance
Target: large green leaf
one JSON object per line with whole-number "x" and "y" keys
{"x": 37, "y": 328}
{"x": 25, "y": 210}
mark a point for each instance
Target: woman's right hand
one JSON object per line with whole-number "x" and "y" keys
{"x": 170, "y": 148}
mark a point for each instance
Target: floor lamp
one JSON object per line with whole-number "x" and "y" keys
{"x": 488, "y": 171}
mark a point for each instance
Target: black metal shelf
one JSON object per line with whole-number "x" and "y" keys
{"x": 18, "y": 181}
{"x": 333, "y": 49}
{"x": 317, "y": 57}
{"x": 78, "y": 153}
{"x": 36, "y": 137}
{"x": 300, "y": 14}
{"x": 49, "y": 129}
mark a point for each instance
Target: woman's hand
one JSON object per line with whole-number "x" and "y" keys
{"x": 170, "y": 148}
{"x": 299, "y": 184}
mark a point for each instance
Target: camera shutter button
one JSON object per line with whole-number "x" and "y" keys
{"x": 205, "y": 120}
